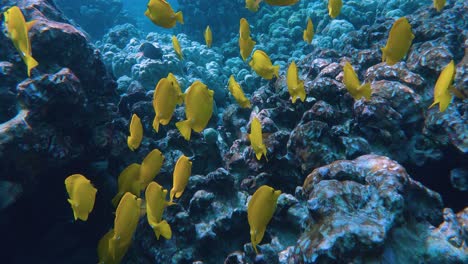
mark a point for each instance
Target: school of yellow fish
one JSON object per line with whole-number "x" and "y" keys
{"x": 198, "y": 101}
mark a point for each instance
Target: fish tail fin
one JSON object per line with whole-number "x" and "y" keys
{"x": 457, "y": 93}
{"x": 293, "y": 97}
{"x": 259, "y": 155}
{"x": 366, "y": 90}
{"x": 444, "y": 102}
{"x": 276, "y": 70}
{"x": 31, "y": 63}
{"x": 30, "y": 24}
{"x": 184, "y": 128}
{"x": 116, "y": 199}
{"x": 171, "y": 195}
{"x": 162, "y": 229}
{"x": 179, "y": 17}
{"x": 156, "y": 124}
{"x": 265, "y": 154}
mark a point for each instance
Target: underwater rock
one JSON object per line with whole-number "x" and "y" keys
{"x": 459, "y": 178}
{"x": 343, "y": 195}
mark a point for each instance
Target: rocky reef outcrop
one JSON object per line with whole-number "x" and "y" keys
{"x": 49, "y": 128}
{"x": 370, "y": 210}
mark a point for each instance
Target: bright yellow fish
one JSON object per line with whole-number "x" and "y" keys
{"x": 262, "y": 65}
{"x": 18, "y": 29}
{"x": 177, "y": 49}
{"x": 103, "y": 250}
{"x": 238, "y": 93}
{"x": 246, "y": 44}
{"x": 182, "y": 171}
{"x": 167, "y": 95}
{"x": 295, "y": 85}
{"x": 125, "y": 223}
{"x": 136, "y": 133}
{"x": 334, "y": 8}
{"x": 198, "y": 109}
{"x": 161, "y": 13}
{"x": 128, "y": 181}
{"x": 150, "y": 167}
{"x": 208, "y": 37}
{"x": 281, "y": 2}
{"x": 156, "y": 202}
{"x": 260, "y": 210}
{"x": 252, "y": 5}
{"x": 82, "y": 195}
{"x": 352, "y": 84}
{"x": 399, "y": 42}
{"x": 439, "y": 4}
{"x": 308, "y": 32}
{"x": 442, "y": 95}
{"x": 256, "y": 139}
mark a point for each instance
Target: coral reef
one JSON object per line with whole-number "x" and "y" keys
{"x": 353, "y": 158}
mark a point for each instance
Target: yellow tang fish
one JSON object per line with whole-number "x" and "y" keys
{"x": 442, "y": 95}
{"x": 156, "y": 202}
{"x": 167, "y": 95}
{"x": 238, "y": 93}
{"x": 208, "y": 37}
{"x": 198, "y": 109}
{"x": 256, "y": 139}
{"x": 244, "y": 28}
{"x": 150, "y": 167}
{"x": 262, "y": 65}
{"x": 82, "y": 195}
{"x": 439, "y": 5}
{"x": 308, "y": 32}
{"x": 182, "y": 171}
{"x": 128, "y": 181}
{"x": 353, "y": 85}
{"x": 176, "y": 45}
{"x": 295, "y": 86}
{"x": 334, "y": 7}
{"x": 281, "y": 2}
{"x": 18, "y": 29}
{"x": 260, "y": 210}
{"x": 161, "y": 13}
{"x": 136, "y": 133}
{"x": 399, "y": 41}
{"x": 125, "y": 223}
{"x": 246, "y": 44}
{"x": 103, "y": 250}
{"x": 252, "y": 5}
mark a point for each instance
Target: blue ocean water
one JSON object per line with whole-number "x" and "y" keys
{"x": 247, "y": 144}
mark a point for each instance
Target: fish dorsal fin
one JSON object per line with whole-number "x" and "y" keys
{"x": 30, "y": 24}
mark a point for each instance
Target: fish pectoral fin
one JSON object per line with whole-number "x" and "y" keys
{"x": 30, "y": 24}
